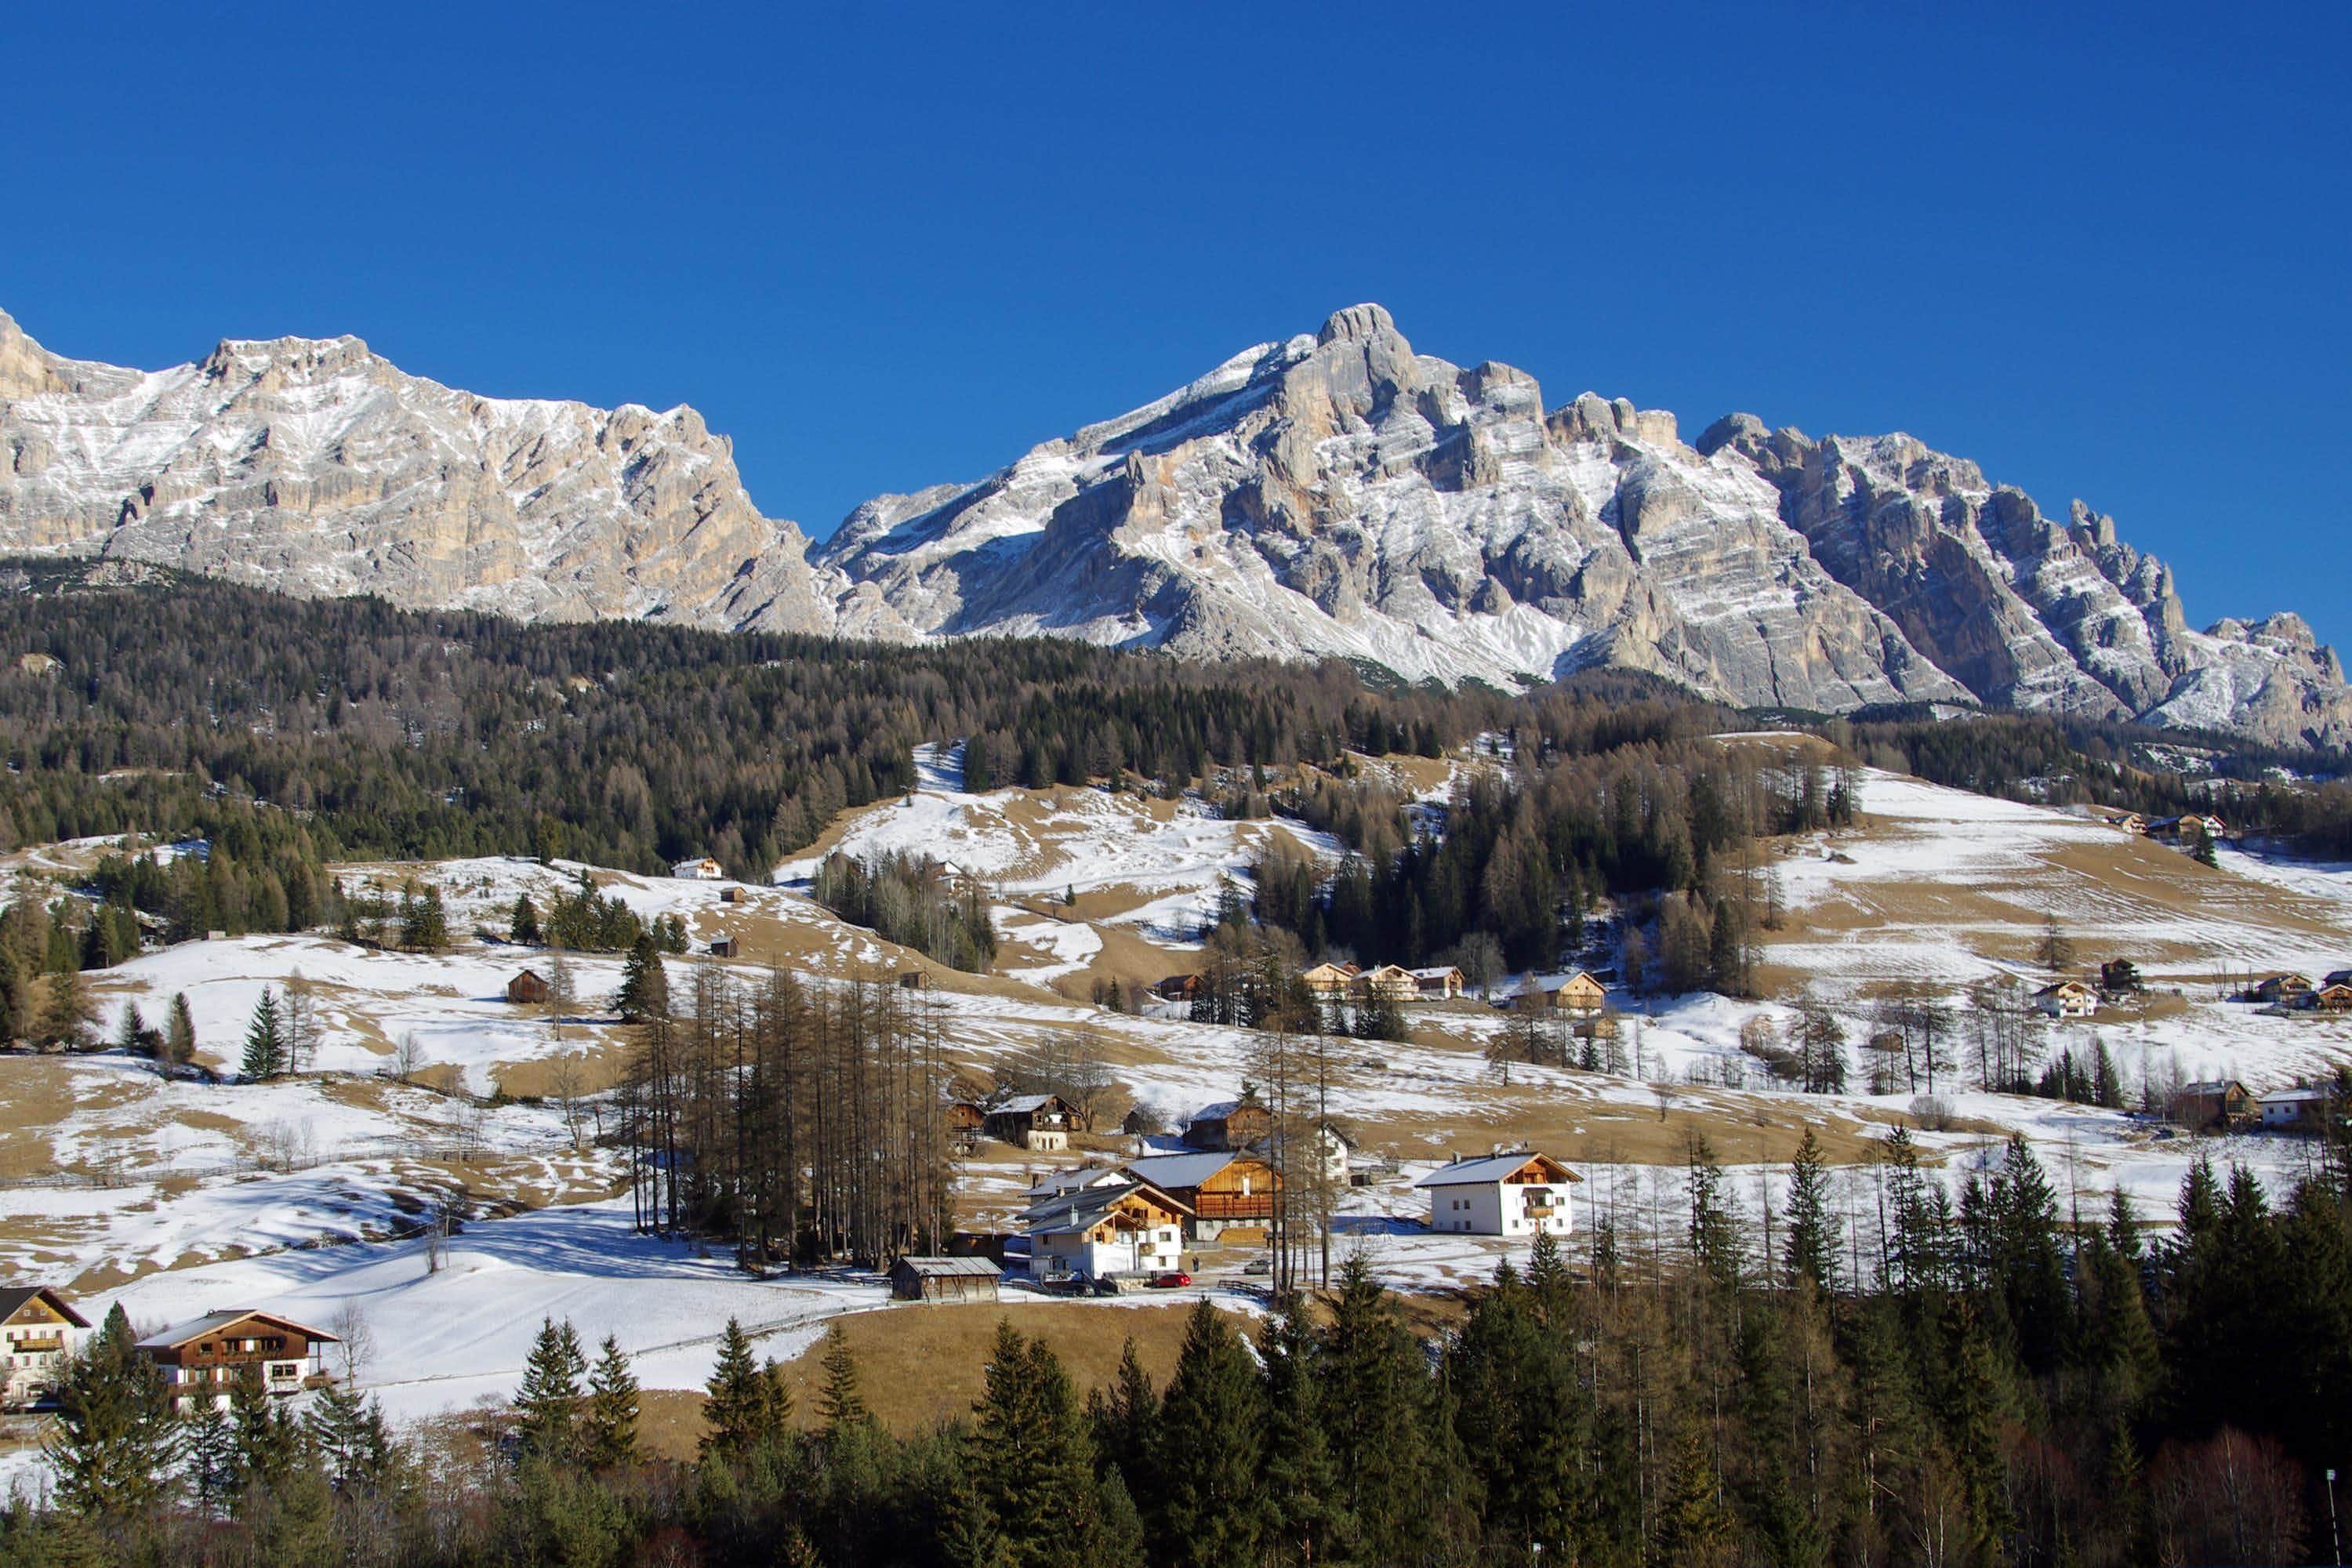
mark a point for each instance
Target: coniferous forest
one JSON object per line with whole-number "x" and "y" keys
{"x": 1996, "y": 1378}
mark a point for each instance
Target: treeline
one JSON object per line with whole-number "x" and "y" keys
{"x": 1914, "y": 1378}
{"x": 913, "y": 900}
{"x": 805, "y": 1122}
{"x": 368, "y": 731}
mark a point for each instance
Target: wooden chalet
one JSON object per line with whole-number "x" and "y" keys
{"x": 1242, "y": 1123}
{"x": 2281, "y": 990}
{"x": 529, "y": 989}
{"x": 1095, "y": 1232}
{"x": 1390, "y": 982}
{"x": 1508, "y": 1193}
{"x": 2333, "y": 997}
{"x": 2216, "y": 1105}
{"x": 38, "y": 1327}
{"x": 704, "y": 869}
{"x": 200, "y": 1358}
{"x": 1329, "y": 981}
{"x": 1223, "y": 1191}
{"x": 1180, "y": 988}
{"x": 1577, "y": 992}
{"x": 1040, "y": 1122}
{"x": 2067, "y": 999}
{"x": 724, "y": 947}
{"x": 2188, "y": 829}
{"x": 963, "y": 1116}
{"x": 944, "y": 1279}
{"x": 1442, "y": 983}
{"x": 734, "y": 893}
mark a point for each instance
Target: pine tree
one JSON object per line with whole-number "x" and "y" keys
{"x": 1307, "y": 1522}
{"x": 210, "y": 1446}
{"x": 1211, "y": 1448}
{"x": 548, "y": 1401}
{"x": 265, "y": 1443}
{"x": 1693, "y": 1530}
{"x": 264, "y": 1041}
{"x": 180, "y": 1031}
{"x": 645, "y": 984}
{"x": 523, "y": 929}
{"x": 611, "y": 1435}
{"x": 336, "y": 1423}
{"x": 67, "y": 1011}
{"x": 115, "y": 1441}
{"x": 130, "y": 1031}
{"x": 1034, "y": 1463}
{"x": 1378, "y": 1419}
{"x": 1125, "y": 1425}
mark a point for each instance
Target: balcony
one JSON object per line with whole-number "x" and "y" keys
{"x": 35, "y": 1347}
{"x": 1233, "y": 1205}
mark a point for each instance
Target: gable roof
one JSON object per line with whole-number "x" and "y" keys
{"x": 1179, "y": 1170}
{"x": 213, "y": 1323}
{"x": 13, "y": 1300}
{"x": 1022, "y": 1104}
{"x": 2213, "y": 1086}
{"x": 1491, "y": 1169}
{"x": 1439, "y": 973}
{"x": 1081, "y": 1209}
{"x": 1546, "y": 984}
{"x": 1056, "y": 1183}
{"x": 947, "y": 1267}
{"x": 2294, "y": 1096}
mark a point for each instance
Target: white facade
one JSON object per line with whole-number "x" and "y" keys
{"x": 1154, "y": 1251}
{"x": 703, "y": 871}
{"x": 2292, "y": 1107}
{"x": 2071, "y": 999}
{"x": 36, "y": 1356}
{"x": 1500, "y": 1196}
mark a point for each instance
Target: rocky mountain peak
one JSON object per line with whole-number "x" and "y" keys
{"x": 1365, "y": 321}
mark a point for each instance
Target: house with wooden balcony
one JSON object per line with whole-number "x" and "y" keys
{"x": 1095, "y": 1232}
{"x": 1222, "y": 1190}
{"x": 1242, "y": 1123}
{"x": 1329, "y": 981}
{"x": 1040, "y": 1123}
{"x": 1579, "y": 994}
{"x": 40, "y": 1329}
{"x": 203, "y": 1359}
{"x": 1513, "y": 1192}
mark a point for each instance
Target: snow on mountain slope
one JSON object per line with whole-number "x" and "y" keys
{"x": 316, "y": 467}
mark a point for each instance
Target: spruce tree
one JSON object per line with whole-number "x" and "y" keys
{"x": 612, "y": 1417}
{"x": 336, "y": 1423}
{"x": 1211, "y": 1448}
{"x": 266, "y": 1445}
{"x": 180, "y": 1031}
{"x": 549, "y": 1401}
{"x": 840, "y": 1405}
{"x": 1033, "y": 1461}
{"x": 1377, "y": 1416}
{"x": 645, "y": 984}
{"x": 210, "y": 1446}
{"x": 1125, "y": 1422}
{"x": 522, "y": 928}
{"x": 264, "y": 1041}
{"x": 1307, "y": 1522}
{"x": 67, "y": 1011}
{"x": 1812, "y": 1249}
{"x": 130, "y": 1031}
{"x": 748, "y": 1406}
{"x": 115, "y": 1443}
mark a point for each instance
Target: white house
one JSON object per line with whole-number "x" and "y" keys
{"x": 1095, "y": 1232}
{"x": 2067, "y": 999}
{"x": 2294, "y": 1110}
{"x": 40, "y": 1329}
{"x": 1515, "y": 1193}
{"x": 703, "y": 871}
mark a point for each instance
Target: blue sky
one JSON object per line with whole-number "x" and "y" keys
{"x": 2101, "y": 250}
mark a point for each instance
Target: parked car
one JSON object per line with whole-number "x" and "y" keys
{"x": 1258, "y": 1266}
{"x": 1170, "y": 1280}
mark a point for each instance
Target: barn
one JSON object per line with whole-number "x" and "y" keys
{"x": 944, "y": 1279}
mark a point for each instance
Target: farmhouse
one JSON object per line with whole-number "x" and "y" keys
{"x": 1220, "y": 1191}
{"x": 39, "y": 1327}
{"x": 1577, "y": 992}
{"x": 1095, "y": 1232}
{"x": 1039, "y": 1123}
{"x": 1390, "y": 982}
{"x": 1329, "y": 981}
{"x": 2067, "y": 999}
{"x": 2218, "y": 1103}
{"x": 2334, "y": 997}
{"x": 944, "y": 1279}
{"x": 1241, "y": 1123}
{"x": 1513, "y": 1194}
{"x": 1179, "y": 988}
{"x": 201, "y": 1358}
{"x": 2294, "y": 1110}
{"x": 2282, "y": 989}
{"x": 704, "y": 870}
{"x": 1442, "y": 983}
{"x": 528, "y": 989}
{"x": 965, "y": 1117}
{"x": 2186, "y": 829}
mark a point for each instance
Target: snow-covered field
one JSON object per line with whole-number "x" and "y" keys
{"x": 181, "y": 1196}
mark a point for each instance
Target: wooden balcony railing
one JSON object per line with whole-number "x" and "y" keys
{"x": 1235, "y": 1205}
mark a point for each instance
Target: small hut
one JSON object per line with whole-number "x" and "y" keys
{"x": 528, "y": 989}
{"x": 944, "y": 1279}
{"x": 724, "y": 948}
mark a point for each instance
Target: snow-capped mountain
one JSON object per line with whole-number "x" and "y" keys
{"x": 318, "y": 468}
{"x": 1340, "y": 494}
{"x": 1337, "y": 494}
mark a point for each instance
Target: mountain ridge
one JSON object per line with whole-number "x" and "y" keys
{"x": 1332, "y": 494}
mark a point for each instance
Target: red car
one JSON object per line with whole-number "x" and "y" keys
{"x": 1170, "y": 1280}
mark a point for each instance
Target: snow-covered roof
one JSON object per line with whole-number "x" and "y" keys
{"x": 1081, "y": 1209}
{"x": 213, "y": 1323}
{"x": 1439, "y": 973}
{"x": 1057, "y": 1181}
{"x": 1479, "y": 1173}
{"x": 936, "y": 1267}
{"x": 1020, "y": 1104}
{"x": 2294, "y": 1096}
{"x": 2211, "y": 1086}
{"x": 1178, "y": 1170}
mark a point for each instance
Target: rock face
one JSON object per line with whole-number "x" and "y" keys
{"x": 318, "y": 468}
{"x": 1337, "y": 494}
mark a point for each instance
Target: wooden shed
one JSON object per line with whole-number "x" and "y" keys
{"x": 528, "y": 989}
{"x": 724, "y": 948}
{"x": 944, "y": 1279}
